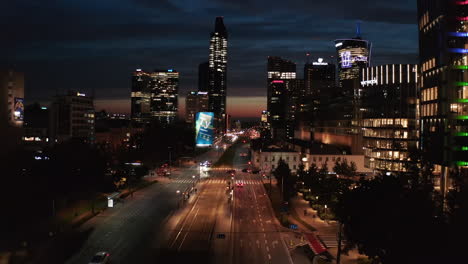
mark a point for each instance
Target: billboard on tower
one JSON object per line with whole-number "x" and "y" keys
{"x": 204, "y": 129}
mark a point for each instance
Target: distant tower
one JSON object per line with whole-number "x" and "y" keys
{"x": 217, "y": 64}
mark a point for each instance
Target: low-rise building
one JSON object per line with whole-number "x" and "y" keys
{"x": 267, "y": 159}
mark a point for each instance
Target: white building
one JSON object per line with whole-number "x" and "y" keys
{"x": 267, "y": 159}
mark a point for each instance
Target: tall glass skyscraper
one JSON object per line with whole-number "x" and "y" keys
{"x": 353, "y": 55}
{"x": 154, "y": 96}
{"x": 443, "y": 54}
{"x": 281, "y": 80}
{"x": 164, "y": 87}
{"x": 217, "y": 70}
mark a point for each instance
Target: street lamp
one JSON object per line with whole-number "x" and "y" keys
{"x": 170, "y": 162}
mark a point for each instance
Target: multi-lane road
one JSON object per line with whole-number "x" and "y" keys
{"x": 156, "y": 227}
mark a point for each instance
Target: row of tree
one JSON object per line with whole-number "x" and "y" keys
{"x": 397, "y": 218}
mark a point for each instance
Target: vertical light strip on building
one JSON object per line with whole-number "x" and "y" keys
{"x": 386, "y": 73}
{"x": 408, "y": 73}
{"x": 381, "y": 75}
{"x": 393, "y": 73}
{"x": 401, "y": 76}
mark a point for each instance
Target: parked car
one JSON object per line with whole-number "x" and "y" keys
{"x": 100, "y": 258}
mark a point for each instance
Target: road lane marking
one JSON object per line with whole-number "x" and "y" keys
{"x": 267, "y": 248}
{"x": 269, "y": 256}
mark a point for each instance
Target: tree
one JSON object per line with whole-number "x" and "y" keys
{"x": 391, "y": 222}
{"x": 285, "y": 179}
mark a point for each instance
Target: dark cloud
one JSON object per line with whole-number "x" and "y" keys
{"x": 95, "y": 45}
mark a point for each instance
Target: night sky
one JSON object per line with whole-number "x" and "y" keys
{"x": 96, "y": 44}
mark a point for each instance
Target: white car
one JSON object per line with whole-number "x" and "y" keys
{"x": 100, "y": 258}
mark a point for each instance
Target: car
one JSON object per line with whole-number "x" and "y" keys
{"x": 256, "y": 171}
{"x": 244, "y": 170}
{"x": 239, "y": 184}
{"x": 100, "y": 258}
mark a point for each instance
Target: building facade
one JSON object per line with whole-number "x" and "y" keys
{"x": 280, "y": 79}
{"x": 164, "y": 86}
{"x": 195, "y": 102}
{"x": 443, "y": 54}
{"x": 72, "y": 117}
{"x": 217, "y": 70}
{"x": 319, "y": 78}
{"x": 389, "y": 115}
{"x": 267, "y": 159}
{"x": 11, "y": 109}
{"x": 154, "y": 96}
{"x": 353, "y": 55}
{"x": 141, "y": 97}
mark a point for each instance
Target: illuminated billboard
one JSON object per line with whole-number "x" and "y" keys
{"x": 204, "y": 129}
{"x": 18, "y": 110}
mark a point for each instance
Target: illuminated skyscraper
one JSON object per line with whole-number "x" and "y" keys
{"x": 154, "y": 96}
{"x": 140, "y": 97}
{"x": 217, "y": 69}
{"x": 389, "y": 119}
{"x": 443, "y": 55}
{"x": 164, "y": 86}
{"x": 281, "y": 79}
{"x": 353, "y": 55}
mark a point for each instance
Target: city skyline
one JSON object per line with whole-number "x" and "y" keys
{"x": 118, "y": 44}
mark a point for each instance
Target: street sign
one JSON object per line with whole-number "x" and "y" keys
{"x": 293, "y": 226}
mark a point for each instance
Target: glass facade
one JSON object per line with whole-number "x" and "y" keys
{"x": 443, "y": 42}
{"x": 389, "y": 115}
{"x": 217, "y": 73}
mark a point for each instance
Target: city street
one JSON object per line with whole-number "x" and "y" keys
{"x": 126, "y": 230}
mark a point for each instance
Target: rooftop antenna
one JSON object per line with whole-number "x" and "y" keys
{"x": 358, "y": 29}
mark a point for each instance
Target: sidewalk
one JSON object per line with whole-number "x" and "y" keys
{"x": 326, "y": 230}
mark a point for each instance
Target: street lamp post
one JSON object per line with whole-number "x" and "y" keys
{"x": 170, "y": 162}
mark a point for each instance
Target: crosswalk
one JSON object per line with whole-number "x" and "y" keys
{"x": 214, "y": 180}
{"x": 330, "y": 241}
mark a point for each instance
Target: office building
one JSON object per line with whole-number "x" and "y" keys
{"x": 195, "y": 102}
{"x": 389, "y": 119}
{"x": 217, "y": 78}
{"x": 72, "y": 117}
{"x": 36, "y": 125}
{"x": 203, "y": 77}
{"x": 164, "y": 87}
{"x": 319, "y": 78}
{"x": 443, "y": 55}
{"x": 353, "y": 55}
{"x": 11, "y": 109}
{"x": 140, "y": 97}
{"x": 281, "y": 76}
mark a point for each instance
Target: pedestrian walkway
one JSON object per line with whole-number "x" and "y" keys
{"x": 325, "y": 231}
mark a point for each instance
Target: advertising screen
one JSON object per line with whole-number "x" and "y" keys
{"x": 204, "y": 129}
{"x": 18, "y": 110}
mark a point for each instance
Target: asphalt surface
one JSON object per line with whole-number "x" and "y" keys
{"x": 157, "y": 226}
{"x": 257, "y": 237}
{"x": 127, "y": 230}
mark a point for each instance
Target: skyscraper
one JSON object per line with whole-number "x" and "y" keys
{"x": 353, "y": 55}
{"x": 217, "y": 65}
{"x": 195, "y": 102}
{"x": 203, "y": 77}
{"x": 319, "y": 78}
{"x": 140, "y": 97}
{"x": 164, "y": 86}
{"x": 154, "y": 96}
{"x": 443, "y": 42}
{"x": 281, "y": 75}
{"x": 389, "y": 106}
